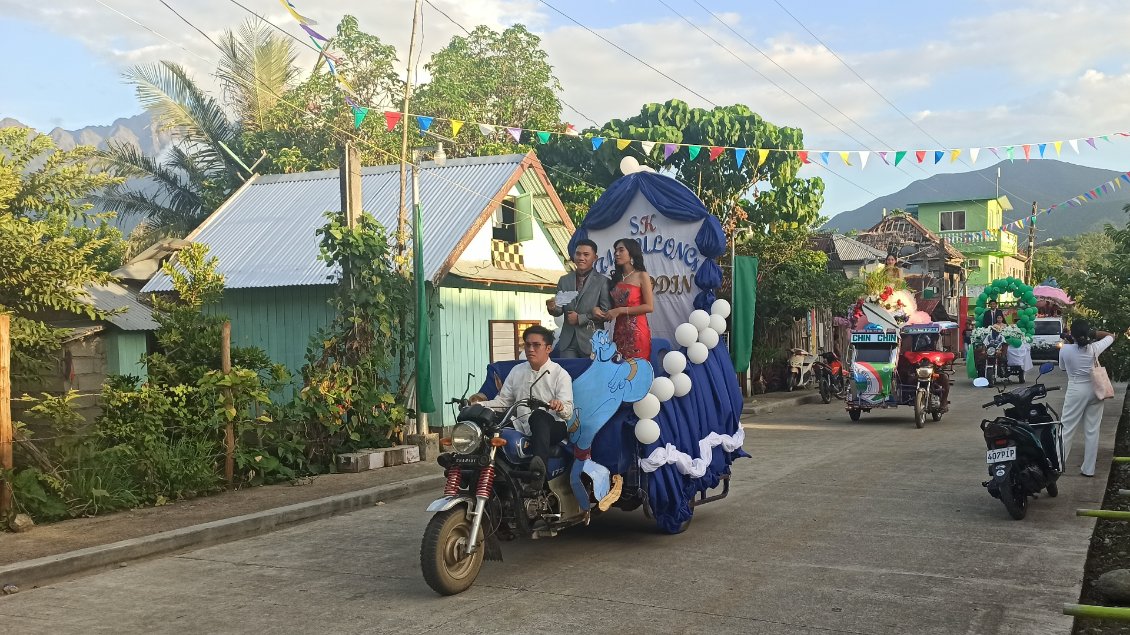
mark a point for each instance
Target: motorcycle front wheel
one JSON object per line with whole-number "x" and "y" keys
{"x": 920, "y": 398}
{"x": 825, "y": 390}
{"x": 447, "y": 568}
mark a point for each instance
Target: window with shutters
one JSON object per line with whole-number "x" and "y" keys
{"x": 513, "y": 221}
{"x": 506, "y": 339}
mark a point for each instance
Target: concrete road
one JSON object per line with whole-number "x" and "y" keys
{"x": 832, "y": 527}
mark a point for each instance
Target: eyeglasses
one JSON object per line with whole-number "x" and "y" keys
{"x": 532, "y": 345}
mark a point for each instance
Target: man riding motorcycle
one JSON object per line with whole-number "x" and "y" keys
{"x": 907, "y": 366}
{"x": 544, "y": 379}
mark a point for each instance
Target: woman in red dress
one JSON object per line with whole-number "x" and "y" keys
{"x": 631, "y": 301}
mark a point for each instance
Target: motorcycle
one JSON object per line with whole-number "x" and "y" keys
{"x": 991, "y": 363}
{"x": 1025, "y": 449}
{"x": 800, "y": 368}
{"x": 927, "y": 393}
{"x": 831, "y": 376}
{"x": 487, "y": 496}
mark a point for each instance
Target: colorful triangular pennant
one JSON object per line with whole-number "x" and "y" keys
{"x": 668, "y": 150}
{"x": 597, "y": 142}
{"x": 424, "y": 122}
{"x": 543, "y": 137}
{"x": 391, "y": 119}
{"x": 716, "y": 152}
{"x": 693, "y": 151}
{"x": 899, "y": 156}
{"x": 455, "y": 126}
{"x": 739, "y": 156}
{"x": 359, "y": 114}
{"x": 621, "y": 144}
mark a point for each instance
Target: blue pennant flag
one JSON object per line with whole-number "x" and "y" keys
{"x": 1043, "y": 146}
{"x": 596, "y": 142}
{"x": 425, "y": 122}
{"x": 938, "y": 154}
{"x": 739, "y": 155}
{"x": 824, "y": 157}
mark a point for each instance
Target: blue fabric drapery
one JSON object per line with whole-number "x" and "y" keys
{"x": 713, "y": 405}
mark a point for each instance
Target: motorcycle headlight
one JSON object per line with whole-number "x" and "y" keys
{"x": 466, "y": 437}
{"x": 925, "y": 373}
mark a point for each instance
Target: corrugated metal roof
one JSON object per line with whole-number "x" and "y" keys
{"x": 132, "y": 315}
{"x": 264, "y": 236}
{"x": 851, "y": 250}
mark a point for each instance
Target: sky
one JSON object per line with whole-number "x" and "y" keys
{"x": 854, "y": 76}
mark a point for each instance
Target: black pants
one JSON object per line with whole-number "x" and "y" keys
{"x": 546, "y": 431}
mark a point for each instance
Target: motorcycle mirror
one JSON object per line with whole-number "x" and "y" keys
{"x": 981, "y": 382}
{"x": 1047, "y": 367}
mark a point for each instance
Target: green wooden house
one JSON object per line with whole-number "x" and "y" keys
{"x": 496, "y": 240}
{"x": 973, "y": 226}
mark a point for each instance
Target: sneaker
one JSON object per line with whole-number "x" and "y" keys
{"x": 537, "y": 482}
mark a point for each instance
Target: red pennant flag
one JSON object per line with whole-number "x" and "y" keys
{"x": 1027, "y": 151}
{"x": 391, "y": 119}
{"x": 920, "y": 155}
{"x": 715, "y": 152}
{"x": 803, "y": 155}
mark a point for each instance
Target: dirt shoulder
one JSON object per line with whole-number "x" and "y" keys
{"x": 1110, "y": 544}
{"x": 80, "y": 533}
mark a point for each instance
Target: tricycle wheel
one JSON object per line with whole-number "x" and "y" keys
{"x": 854, "y": 414}
{"x": 920, "y": 409}
{"x": 446, "y": 566}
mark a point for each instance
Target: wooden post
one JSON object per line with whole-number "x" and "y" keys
{"x": 5, "y": 414}
{"x": 229, "y": 430}
{"x": 1030, "y": 267}
{"x": 351, "y": 185}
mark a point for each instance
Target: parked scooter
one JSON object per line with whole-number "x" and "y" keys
{"x": 800, "y": 368}
{"x": 831, "y": 377}
{"x": 1025, "y": 451}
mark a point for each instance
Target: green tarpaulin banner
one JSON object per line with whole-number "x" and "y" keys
{"x": 745, "y": 301}
{"x": 424, "y": 402}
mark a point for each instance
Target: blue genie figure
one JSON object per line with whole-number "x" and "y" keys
{"x": 597, "y": 395}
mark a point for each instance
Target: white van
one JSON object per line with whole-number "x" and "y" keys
{"x": 1047, "y": 339}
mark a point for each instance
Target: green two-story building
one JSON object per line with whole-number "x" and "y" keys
{"x": 973, "y": 227}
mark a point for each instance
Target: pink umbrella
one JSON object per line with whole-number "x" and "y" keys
{"x": 1052, "y": 293}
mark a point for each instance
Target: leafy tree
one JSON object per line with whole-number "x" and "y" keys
{"x": 175, "y": 193}
{"x": 45, "y": 261}
{"x": 305, "y": 132}
{"x": 503, "y": 78}
{"x": 1099, "y": 290}
{"x": 722, "y": 184}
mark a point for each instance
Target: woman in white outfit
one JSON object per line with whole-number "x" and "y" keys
{"x": 1080, "y": 406}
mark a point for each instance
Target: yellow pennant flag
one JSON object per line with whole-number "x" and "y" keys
{"x": 844, "y": 156}
{"x": 1058, "y": 145}
{"x": 346, "y": 86}
{"x": 623, "y": 143}
{"x": 1117, "y": 183}
{"x": 297, "y": 16}
{"x": 455, "y": 126}
{"x": 954, "y": 154}
{"x": 761, "y": 156}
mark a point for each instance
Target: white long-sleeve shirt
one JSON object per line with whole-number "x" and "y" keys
{"x": 555, "y": 385}
{"x": 1079, "y": 362}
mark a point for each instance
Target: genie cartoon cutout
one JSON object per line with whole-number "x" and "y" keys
{"x": 597, "y": 395}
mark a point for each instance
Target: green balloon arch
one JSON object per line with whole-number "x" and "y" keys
{"x": 1026, "y": 314}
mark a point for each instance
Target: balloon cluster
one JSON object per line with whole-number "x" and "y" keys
{"x": 1026, "y": 314}
{"x": 700, "y": 333}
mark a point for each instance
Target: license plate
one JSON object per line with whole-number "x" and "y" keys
{"x": 1000, "y": 455}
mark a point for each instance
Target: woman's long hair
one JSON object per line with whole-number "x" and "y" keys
{"x": 1081, "y": 333}
{"x": 634, "y": 252}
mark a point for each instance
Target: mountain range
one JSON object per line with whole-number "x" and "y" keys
{"x": 1046, "y": 181}
{"x": 136, "y": 130}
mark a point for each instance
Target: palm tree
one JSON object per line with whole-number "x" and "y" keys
{"x": 176, "y": 191}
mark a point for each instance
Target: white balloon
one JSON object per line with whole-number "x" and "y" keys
{"x": 697, "y": 353}
{"x": 675, "y": 362}
{"x": 721, "y": 307}
{"x": 682, "y": 383}
{"x": 686, "y": 334}
{"x": 700, "y": 319}
{"x": 628, "y": 165}
{"x": 708, "y": 337}
{"x": 718, "y": 323}
{"x": 647, "y": 407}
{"x": 662, "y": 388}
{"x": 647, "y": 431}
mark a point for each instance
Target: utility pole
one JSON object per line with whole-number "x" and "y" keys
{"x": 350, "y": 185}
{"x": 5, "y": 416}
{"x": 1030, "y": 265}
{"x": 402, "y": 219}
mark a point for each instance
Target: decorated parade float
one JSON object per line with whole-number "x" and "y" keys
{"x": 659, "y": 432}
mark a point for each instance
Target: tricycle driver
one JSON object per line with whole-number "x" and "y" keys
{"x": 541, "y": 378}
{"x": 925, "y": 343}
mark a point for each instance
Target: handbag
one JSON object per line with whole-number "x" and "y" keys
{"x": 1100, "y": 380}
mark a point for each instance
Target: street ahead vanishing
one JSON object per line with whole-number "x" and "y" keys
{"x": 831, "y": 527}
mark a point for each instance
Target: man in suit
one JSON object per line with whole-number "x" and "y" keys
{"x": 989, "y": 317}
{"x": 592, "y": 291}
